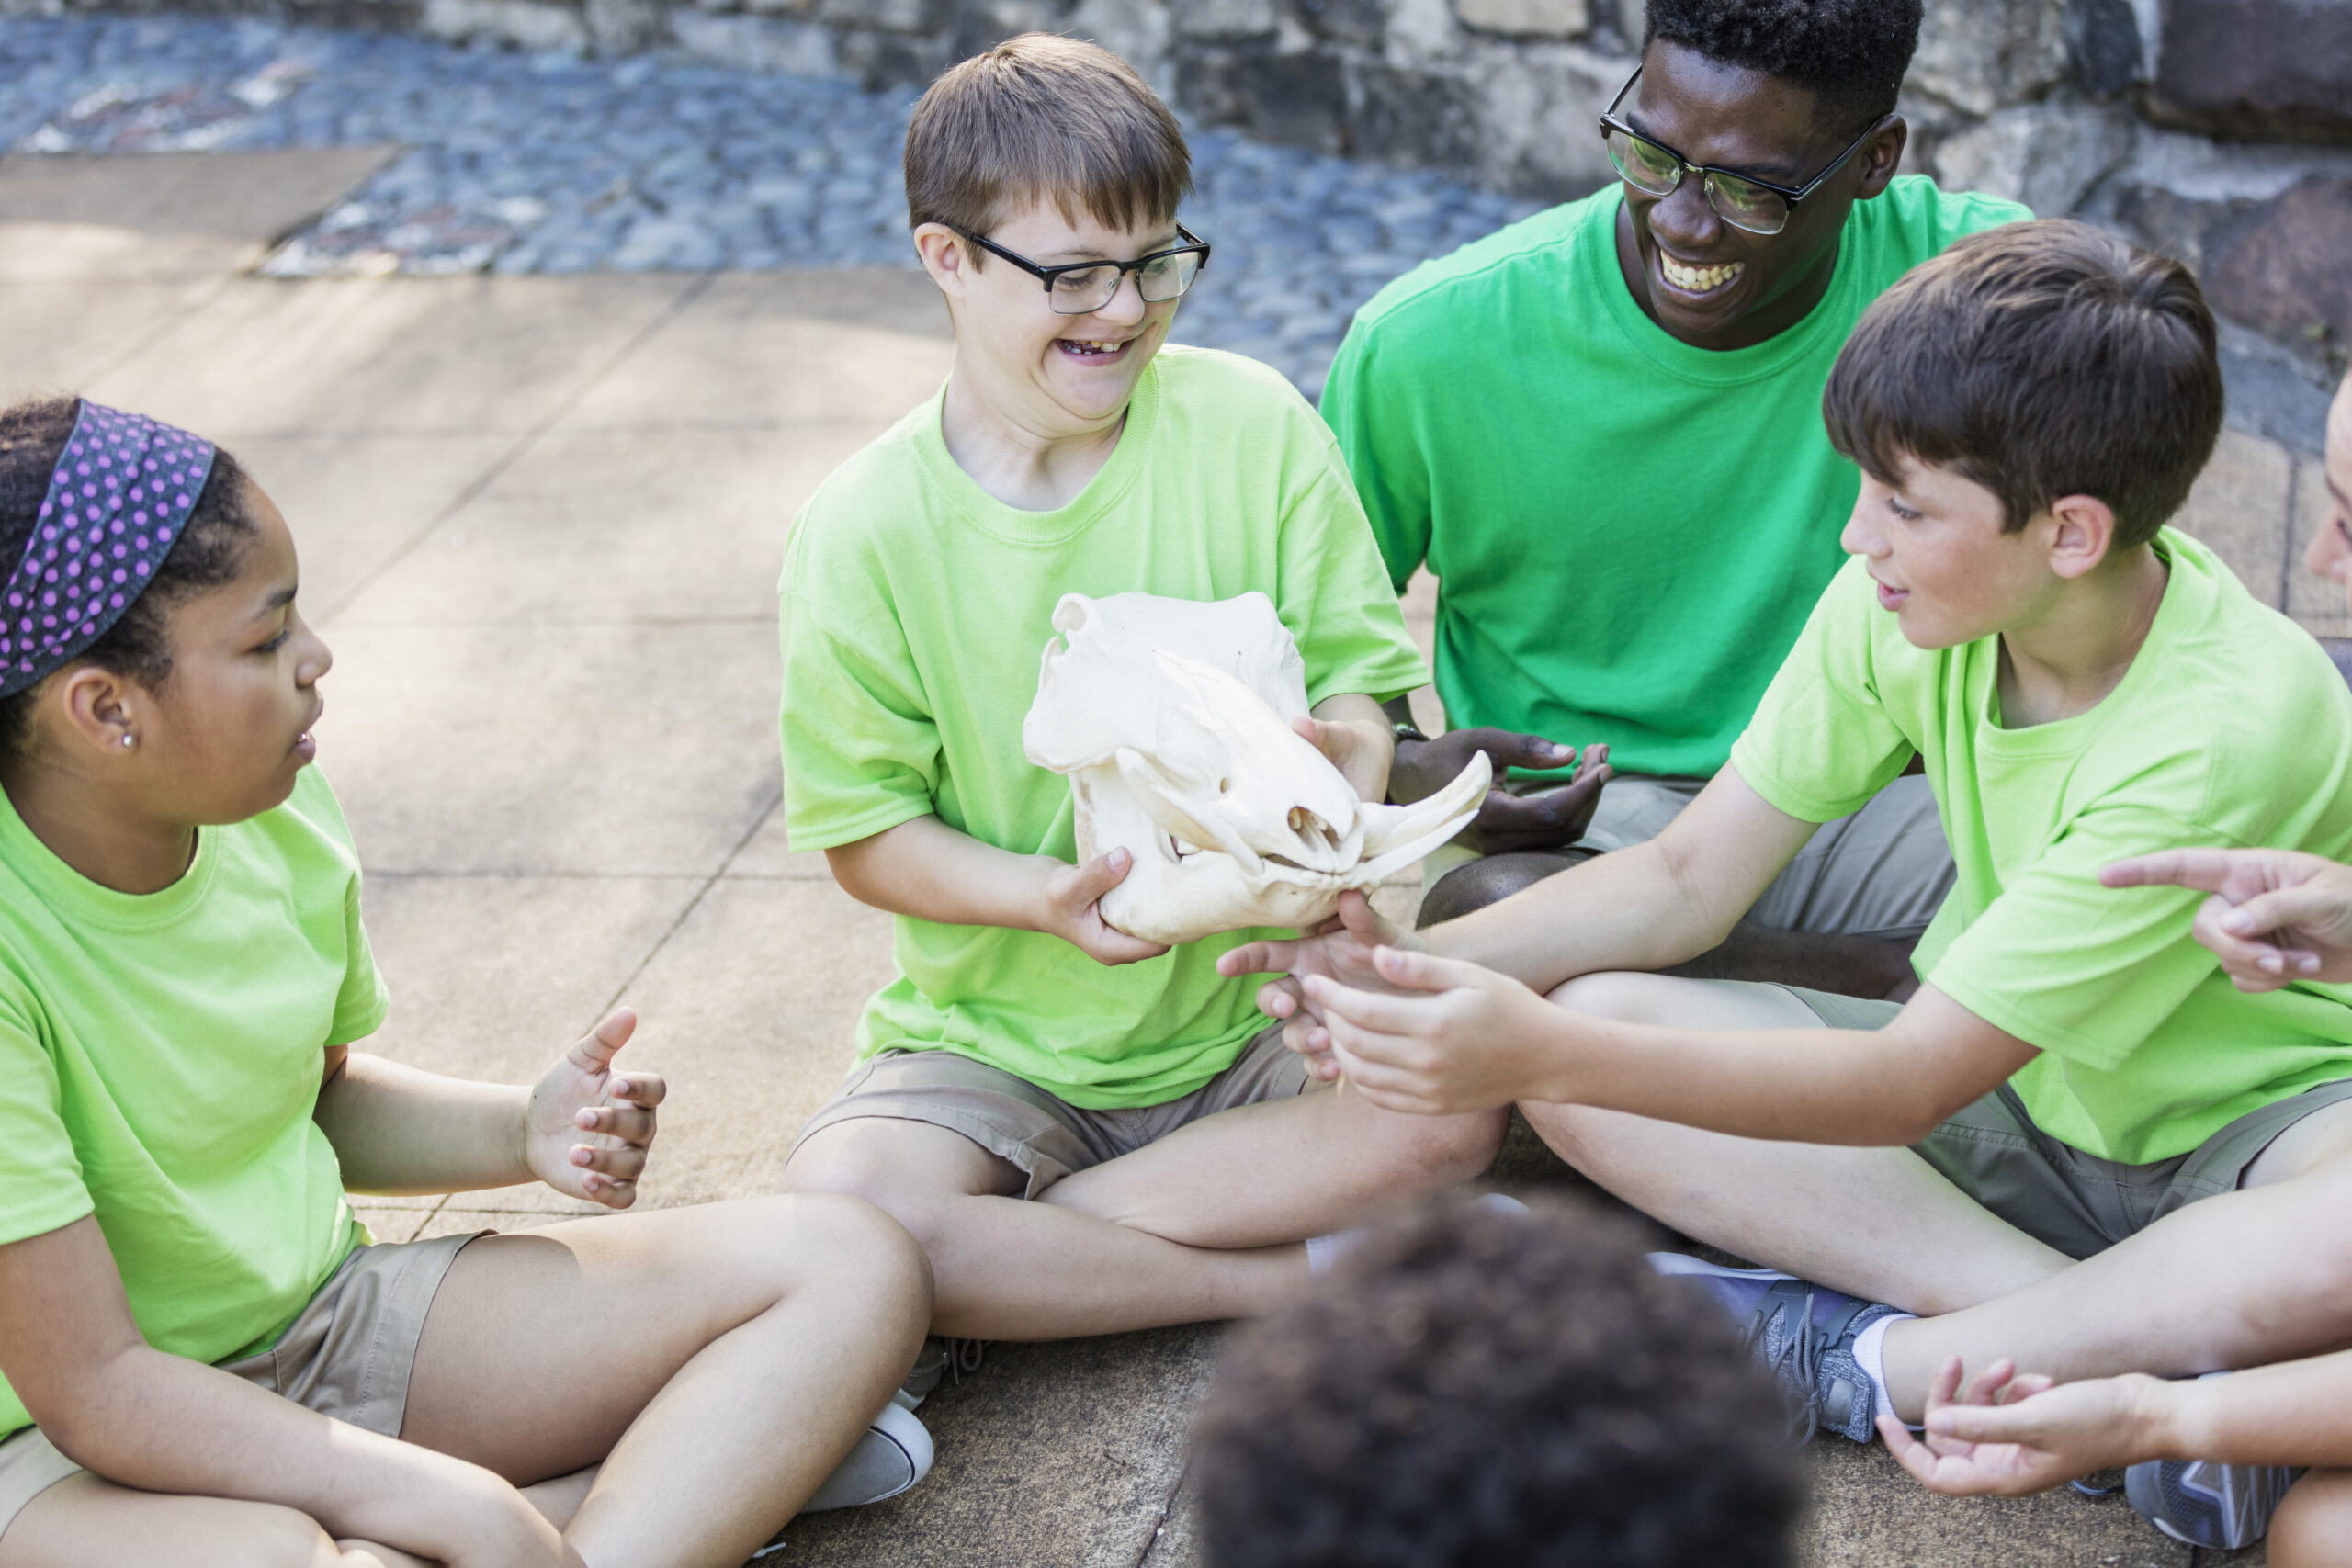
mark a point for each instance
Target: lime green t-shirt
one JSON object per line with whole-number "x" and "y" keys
{"x": 160, "y": 1057}
{"x": 2231, "y": 730}
{"x": 915, "y": 610}
{"x": 1626, "y": 531}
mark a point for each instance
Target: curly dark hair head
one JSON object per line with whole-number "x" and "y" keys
{"x": 211, "y": 552}
{"x": 1470, "y": 1388}
{"x": 1851, "y": 54}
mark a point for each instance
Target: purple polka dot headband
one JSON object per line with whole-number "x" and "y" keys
{"x": 119, "y": 501}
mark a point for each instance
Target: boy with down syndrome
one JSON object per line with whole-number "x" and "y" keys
{"x": 2115, "y": 1161}
{"x": 208, "y": 1361}
{"x": 1087, "y": 1132}
{"x": 2210, "y": 1459}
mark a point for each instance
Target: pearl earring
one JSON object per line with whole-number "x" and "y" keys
{"x": 131, "y": 740}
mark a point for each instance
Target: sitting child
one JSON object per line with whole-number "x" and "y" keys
{"x": 186, "y": 1298}
{"x": 1481, "y": 1389}
{"x": 2210, "y": 1459}
{"x": 2075, "y": 1079}
{"x": 1087, "y": 1132}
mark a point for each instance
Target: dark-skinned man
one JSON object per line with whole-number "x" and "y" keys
{"x": 1601, "y": 430}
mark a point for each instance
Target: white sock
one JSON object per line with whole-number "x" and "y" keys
{"x": 1322, "y": 1251}
{"x": 1870, "y": 1354}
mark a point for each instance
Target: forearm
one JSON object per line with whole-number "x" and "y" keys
{"x": 131, "y": 1419}
{"x": 1627, "y": 909}
{"x": 398, "y": 1129}
{"x": 926, "y": 869}
{"x": 1815, "y": 1086}
{"x": 2294, "y": 1412}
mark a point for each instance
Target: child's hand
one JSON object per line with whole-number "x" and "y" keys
{"x": 2012, "y": 1434}
{"x": 1343, "y": 949}
{"x": 1361, "y": 750}
{"x": 2275, "y": 916}
{"x": 582, "y": 1095}
{"x": 1074, "y": 912}
{"x": 1448, "y": 1037}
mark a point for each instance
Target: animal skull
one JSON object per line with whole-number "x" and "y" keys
{"x": 1171, "y": 719}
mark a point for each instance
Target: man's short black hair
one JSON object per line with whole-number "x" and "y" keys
{"x": 1469, "y": 1389}
{"x": 2040, "y": 360}
{"x": 1850, "y": 54}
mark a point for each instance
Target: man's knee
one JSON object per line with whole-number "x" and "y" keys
{"x": 1468, "y": 888}
{"x": 1436, "y": 1152}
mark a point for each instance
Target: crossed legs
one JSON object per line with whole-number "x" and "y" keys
{"x": 1205, "y": 1224}
{"x": 2247, "y": 1278}
{"x": 717, "y": 1362}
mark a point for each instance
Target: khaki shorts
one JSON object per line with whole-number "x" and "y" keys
{"x": 1881, "y": 873}
{"x": 348, "y": 1356}
{"x": 2057, "y": 1194}
{"x": 1046, "y": 1137}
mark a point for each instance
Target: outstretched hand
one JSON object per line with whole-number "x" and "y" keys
{"x": 2012, "y": 1434}
{"x": 1341, "y": 949}
{"x": 588, "y": 1127}
{"x": 1541, "y": 820}
{"x": 1074, "y": 910}
{"x": 2275, "y": 915}
{"x": 1441, "y": 1036}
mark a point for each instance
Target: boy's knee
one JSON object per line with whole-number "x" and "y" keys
{"x": 1440, "y": 1151}
{"x": 1624, "y": 997}
{"x": 1469, "y": 889}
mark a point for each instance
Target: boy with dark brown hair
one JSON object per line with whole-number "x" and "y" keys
{"x": 2115, "y": 1161}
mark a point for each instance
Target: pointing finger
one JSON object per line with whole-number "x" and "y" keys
{"x": 2204, "y": 870}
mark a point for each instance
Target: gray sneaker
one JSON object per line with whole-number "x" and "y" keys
{"x": 938, "y": 1359}
{"x": 894, "y": 1454}
{"x": 1804, "y": 1335}
{"x": 2203, "y": 1504}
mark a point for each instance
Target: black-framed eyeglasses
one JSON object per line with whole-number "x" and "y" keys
{"x": 1741, "y": 200}
{"x": 1080, "y": 289}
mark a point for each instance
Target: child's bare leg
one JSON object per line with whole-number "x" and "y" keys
{"x": 2241, "y": 1280}
{"x": 727, "y": 1356}
{"x": 2314, "y": 1527}
{"x": 83, "y": 1522}
{"x": 1203, "y": 1224}
{"x": 1879, "y": 1223}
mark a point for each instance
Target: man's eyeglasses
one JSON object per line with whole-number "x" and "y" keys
{"x": 1082, "y": 288}
{"x": 1741, "y": 200}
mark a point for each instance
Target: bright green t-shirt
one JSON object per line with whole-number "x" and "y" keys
{"x": 160, "y": 1057}
{"x": 915, "y": 610}
{"x": 2230, "y": 730}
{"x": 1627, "y": 531}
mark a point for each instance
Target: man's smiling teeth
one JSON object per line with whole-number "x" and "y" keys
{"x": 1698, "y": 279}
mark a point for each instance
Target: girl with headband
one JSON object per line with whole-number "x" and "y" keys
{"x": 185, "y": 1296}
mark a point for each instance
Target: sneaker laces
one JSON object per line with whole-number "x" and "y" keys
{"x": 1796, "y": 1366}
{"x": 964, "y": 1355}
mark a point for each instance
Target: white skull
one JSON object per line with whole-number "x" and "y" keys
{"x": 1171, "y": 719}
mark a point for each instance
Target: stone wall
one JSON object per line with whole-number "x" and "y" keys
{"x": 2219, "y": 129}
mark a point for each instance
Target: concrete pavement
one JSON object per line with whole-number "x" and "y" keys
{"x": 540, "y": 521}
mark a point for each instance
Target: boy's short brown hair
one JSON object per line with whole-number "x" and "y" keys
{"x": 2040, "y": 360}
{"x": 1041, "y": 119}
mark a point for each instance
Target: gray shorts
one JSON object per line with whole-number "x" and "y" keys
{"x": 1046, "y": 1137}
{"x": 348, "y": 1356}
{"x": 2057, "y": 1194}
{"x": 1881, "y": 873}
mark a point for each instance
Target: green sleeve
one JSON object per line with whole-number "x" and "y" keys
{"x": 2083, "y": 972}
{"x": 40, "y": 1177}
{"x": 1391, "y": 474}
{"x": 361, "y": 1006}
{"x": 1822, "y": 742}
{"x": 861, "y": 750}
{"x": 1335, "y": 600}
